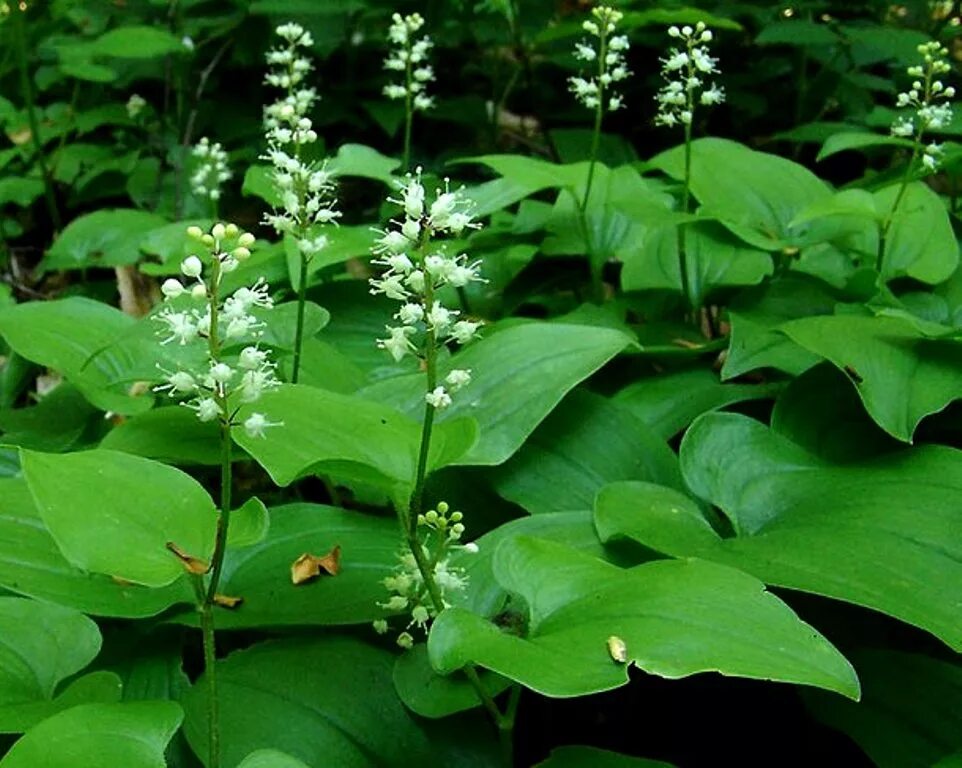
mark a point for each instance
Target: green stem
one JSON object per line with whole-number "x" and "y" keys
{"x": 213, "y": 705}
{"x": 599, "y": 115}
{"x": 887, "y": 224}
{"x": 20, "y": 36}
{"x": 299, "y": 330}
{"x": 685, "y": 205}
{"x": 416, "y": 503}
{"x": 408, "y": 109}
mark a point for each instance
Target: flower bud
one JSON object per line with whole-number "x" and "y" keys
{"x": 195, "y": 232}
{"x": 192, "y": 266}
{"x": 241, "y": 253}
{"x": 172, "y": 288}
{"x": 246, "y": 240}
{"x": 198, "y": 291}
{"x": 231, "y": 230}
{"x": 219, "y": 231}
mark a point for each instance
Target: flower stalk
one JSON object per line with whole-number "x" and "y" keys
{"x": 409, "y": 57}
{"x": 930, "y": 99}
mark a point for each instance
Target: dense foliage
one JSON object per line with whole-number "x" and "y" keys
{"x": 480, "y": 383}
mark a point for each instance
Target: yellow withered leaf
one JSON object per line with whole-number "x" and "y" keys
{"x": 308, "y": 567}
{"x": 193, "y": 564}
{"x": 226, "y": 601}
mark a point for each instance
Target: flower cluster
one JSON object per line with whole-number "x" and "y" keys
{"x": 410, "y": 593}
{"x": 224, "y": 382}
{"x": 410, "y": 58}
{"x": 684, "y": 71}
{"x": 609, "y": 56}
{"x": 930, "y": 98}
{"x": 415, "y": 272}
{"x": 306, "y": 189}
{"x": 211, "y": 171}
{"x": 135, "y": 105}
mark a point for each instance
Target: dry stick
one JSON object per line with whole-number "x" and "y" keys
{"x": 191, "y": 120}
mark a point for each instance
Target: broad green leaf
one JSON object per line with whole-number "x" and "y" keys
{"x": 260, "y": 573}
{"x": 586, "y": 442}
{"x": 31, "y": 564}
{"x": 820, "y": 411}
{"x": 715, "y": 259}
{"x": 328, "y": 430}
{"x": 840, "y": 142}
{"x": 675, "y": 618}
{"x": 249, "y": 523}
{"x": 756, "y": 341}
{"x": 133, "y": 735}
{"x": 280, "y": 323}
{"x": 114, "y": 513}
{"x": 270, "y": 758}
{"x": 591, "y": 757}
{"x": 171, "y": 434}
{"x": 81, "y": 339}
{"x": 518, "y": 375}
{"x": 521, "y": 177}
{"x": 428, "y": 694}
{"x": 920, "y": 242}
{"x": 106, "y": 238}
{"x": 19, "y": 191}
{"x": 100, "y": 687}
{"x": 910, "y": 715}
{"x": 41, "y": 644}
{"x": 136, "y": 42}
{"x": 797, "y": 32}
{"x": 852, "y": 532}
{"x": 900, "y": 375}
{"x": 755, "y": 194}
{"x": 669, "y": 402}
{"x": 323, "y": 700}
{"x": 55, "y": 424}
{"x": 363, "y": 161}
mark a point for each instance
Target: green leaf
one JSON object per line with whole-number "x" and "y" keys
{"x": 851, "y": 532}
{"x": 675, "y": 618}
{"x": 900, "y": 374}
{"x": 363, "y": 161}
{"x": 756, "y": 341}
{"x": 133, "y": 735}
{"x": 714, "y": 258}
{"x": 280, "y": 323}
{"x": 910, "y": 715}
{"x": 920, "y": 242}
{"x": 586, "y": 442}
{"x": 797, "y": 32}
{"x": 136, "y": 42}
{"x": 591, "y": 757}
{"x": 755, "y": 194}
{"x": 519, "y": 374}
{"x": 106, "y": 238}
{"x": 840, "y": 142}
{"x": 669, "y": 402}
{"x": 428, "y": 694}
{"x": 41, "y": 644}
{"x": 171, "y": 434}
{"x": 80, "y": 338}
{"x": 260, "y": 573}
{"x": 31, "y": 564}
{"x": 521, "y": 177}
{"x": 19, "y": 191}
{"x": 114, "y": 513}
{"x": 325, "y": 429}
{"x": 94, "y": 688}
{"x": 323, "y": 700}
{"x": 270, "y": 758}
{"x": 249, "y": 523}
{"x": 55, "y": 424}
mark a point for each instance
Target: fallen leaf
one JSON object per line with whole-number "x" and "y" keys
{"x": 308, "y": 566}
{"x": 226, "y": 601}
{"x": 193, "y": 564}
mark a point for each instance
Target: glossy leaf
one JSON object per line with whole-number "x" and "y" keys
{"x": 586, "y": 442}
{"x": 114, "y": 513}
{"x": 106, "y": 238}
{"x": 852, "y": 532}
{"x": 133, "y": 735}
{"x": 920, "y": 243}
{"x": 323, "y": 700}
{"x": 518, "y": 375}
{"x": 32, "y": 564}
{"x": 675, "y": 618}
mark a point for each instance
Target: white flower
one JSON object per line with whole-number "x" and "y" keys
{"x": 398, "y": 342}
{"x": 180, "y": 326}
{"x": 682, "y": 70}
{"x": 172, "y": 288}
{"x": 440, "y": 317}
{"x": 457, "y": 378}
{"x": 438, "y": 398}
{"x": 135, "y": 105}
{"x": 409, "y": 57}
{"x": 410, "y": 313}
{"x": 464, "y": 331}
{"x": 251, "y": 358}
{"x": 256, "y": 423}
{"x": 192, "y": 266}
{"x": 207, "y": 409}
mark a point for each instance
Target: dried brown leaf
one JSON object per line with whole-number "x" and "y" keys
{"x": 308, "y": 567}
{"x": 192, "y": 564}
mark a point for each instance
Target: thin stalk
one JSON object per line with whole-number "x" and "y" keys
{"x": 408, "y": 107}
{"x": 599, "y": 115}
{"x": 416, "y": 505}
{"x": 685, "y": 205}
{"x": 299, "y": 330}
{"x": 887, "y": 223}
{"x": 20, "y": 36}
